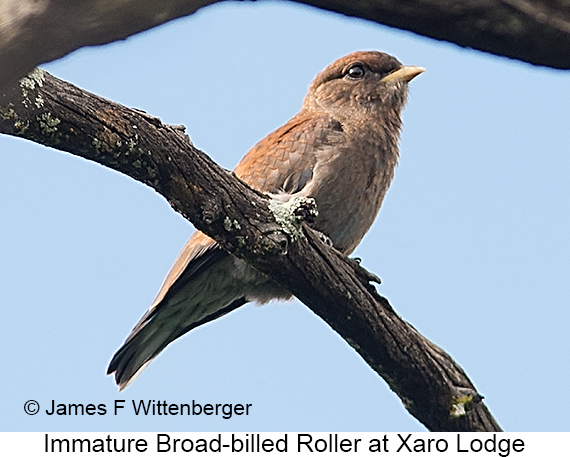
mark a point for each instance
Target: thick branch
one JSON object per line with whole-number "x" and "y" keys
{"x": 37, "y": 31}
{"x": 430, "y": 384}
{"x": 534, "y": 31}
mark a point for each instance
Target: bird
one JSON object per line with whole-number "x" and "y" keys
{"x": 341, "y": 149}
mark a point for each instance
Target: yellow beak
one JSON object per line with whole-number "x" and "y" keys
{"x": 405, "y": 73}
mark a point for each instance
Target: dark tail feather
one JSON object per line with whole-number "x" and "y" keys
{"x": 147, "y": 341}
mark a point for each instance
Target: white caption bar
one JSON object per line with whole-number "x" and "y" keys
{"x": 444, "y": 444}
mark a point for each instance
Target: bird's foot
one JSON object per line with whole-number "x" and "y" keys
{"x": 325, "y": 239}
{"x": 363, "y": 274}
{"x": 291, "y": 213}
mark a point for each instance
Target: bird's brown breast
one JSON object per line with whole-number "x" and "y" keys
{"x": 346, "y": 169}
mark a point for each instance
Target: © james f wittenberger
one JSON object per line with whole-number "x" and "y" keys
{"x": 149, "y": 408}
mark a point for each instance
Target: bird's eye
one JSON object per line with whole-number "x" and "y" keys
{"x": 356, "y": 71}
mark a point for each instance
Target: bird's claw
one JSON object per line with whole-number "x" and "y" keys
{"x": 307, "y": 211}
{"x": 362, "y": 273}
{"x": 325, "y": 239}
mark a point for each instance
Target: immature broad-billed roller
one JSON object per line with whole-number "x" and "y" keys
{"x": 340, "y": 149}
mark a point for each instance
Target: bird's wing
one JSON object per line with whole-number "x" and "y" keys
{"x": 198, "y": 252}
{"x": 205, "y": 282}
{"x": 186, "y": 300}
{"x": 284, "y": 161}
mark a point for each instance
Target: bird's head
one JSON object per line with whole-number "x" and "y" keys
{"x": 368, "y": 83}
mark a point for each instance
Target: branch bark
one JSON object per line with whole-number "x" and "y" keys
{"x": 429, "y": 382}
{"x": 33, "y": 32}
{"x": 534, "y": 31}
{"x": 38, "y": 31}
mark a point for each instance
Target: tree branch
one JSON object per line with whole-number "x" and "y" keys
{"x": 431, "y": 385}
{"x": 534, "y": 31}
{"x": 38, "y": 31}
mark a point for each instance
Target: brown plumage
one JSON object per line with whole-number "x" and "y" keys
{"x": 341, "y": 149}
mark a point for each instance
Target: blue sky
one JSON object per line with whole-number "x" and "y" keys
{"x": 472, "y": 242}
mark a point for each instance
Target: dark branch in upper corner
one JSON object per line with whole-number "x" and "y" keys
{"x": 431, "y": 385}
{"x": 533, "y": 31}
